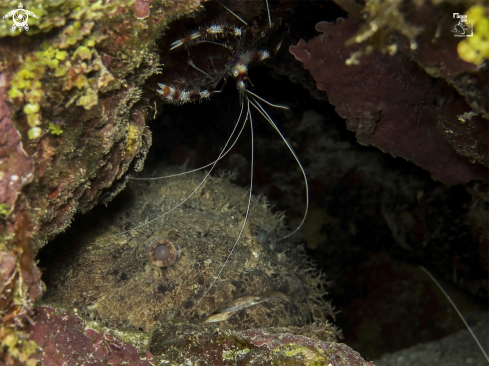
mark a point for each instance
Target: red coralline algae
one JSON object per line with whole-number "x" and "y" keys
{"x": 142, "y": 8}
{"x": 18, "y": 168}
{"x": 18, "y": 273}
{"x": 65, "y": 339}
{"x": 390, "y": 102}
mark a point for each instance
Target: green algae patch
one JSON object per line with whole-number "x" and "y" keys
{"x": 51, "y": 14}
{"x": 313, "y": 357}
{"x": 54, "y": 130}
{"x": 83, "y": 53}
{"x": 67, "y": 68}
{"x": 17, "y": 347}
{"x": 31, "y": 108}
{"x": 138, "y": 338}
{"x": 78, "y": 72}
{"x": 34, "y": 133}
{"x": 475, "y": 49}
{"x": 4, "y": 210}
{"x": 234, "y": 355}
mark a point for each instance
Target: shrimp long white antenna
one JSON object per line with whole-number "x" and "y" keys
{"x": 266, "y": 101}
{"x": 232, "y": 12}
{"x": 197, "y": 188}
{"x": 458, "y": 311}
{"x": 248, "y": 116}
{"x": 216, "y": 43}
{"x": 268, "y": 10}
{"x": 207, "y": 165}
{"x": 238, "y": 17}
{"x": 265, "y": 115}
{"x": 191, "y": 63}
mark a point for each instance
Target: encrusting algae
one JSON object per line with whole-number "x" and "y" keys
{"x": 63, "y": 63}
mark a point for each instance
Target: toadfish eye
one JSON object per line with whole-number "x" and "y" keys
{"x": 162, "y": 252}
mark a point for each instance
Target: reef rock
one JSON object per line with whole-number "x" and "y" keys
{"x": 391, "y": 103}
{"x": 72, "y": 124}
{"x": 67, "y": 339}
{"x": 177, "y": 344}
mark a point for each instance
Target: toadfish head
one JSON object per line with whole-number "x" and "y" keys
{"x": 167, "y": 269}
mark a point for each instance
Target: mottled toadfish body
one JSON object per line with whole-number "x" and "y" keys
{"x": 161, "y": 271}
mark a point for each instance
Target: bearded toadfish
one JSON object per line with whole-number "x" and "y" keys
{"x": 128, "y": 275}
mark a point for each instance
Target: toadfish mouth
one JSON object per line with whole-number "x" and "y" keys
{"x": 282, "y": 304}
{"x": 245, "y": 302}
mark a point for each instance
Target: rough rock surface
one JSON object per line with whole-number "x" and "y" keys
{"x": 65, "y": 339}
{"x": 70, "y": 123}
{"x": 425, "y": 31}
{"x": 455, "y": 350}
{"x": 68, "y": 340}
{"x": 391, "y": 103}
{"x": 177, "y": 344}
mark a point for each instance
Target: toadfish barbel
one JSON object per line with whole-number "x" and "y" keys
{"x": 161, "y": 271}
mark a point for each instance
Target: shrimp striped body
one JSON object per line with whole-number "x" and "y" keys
{"x": 177, "y": 96}
{"x": 237, "y": 68}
